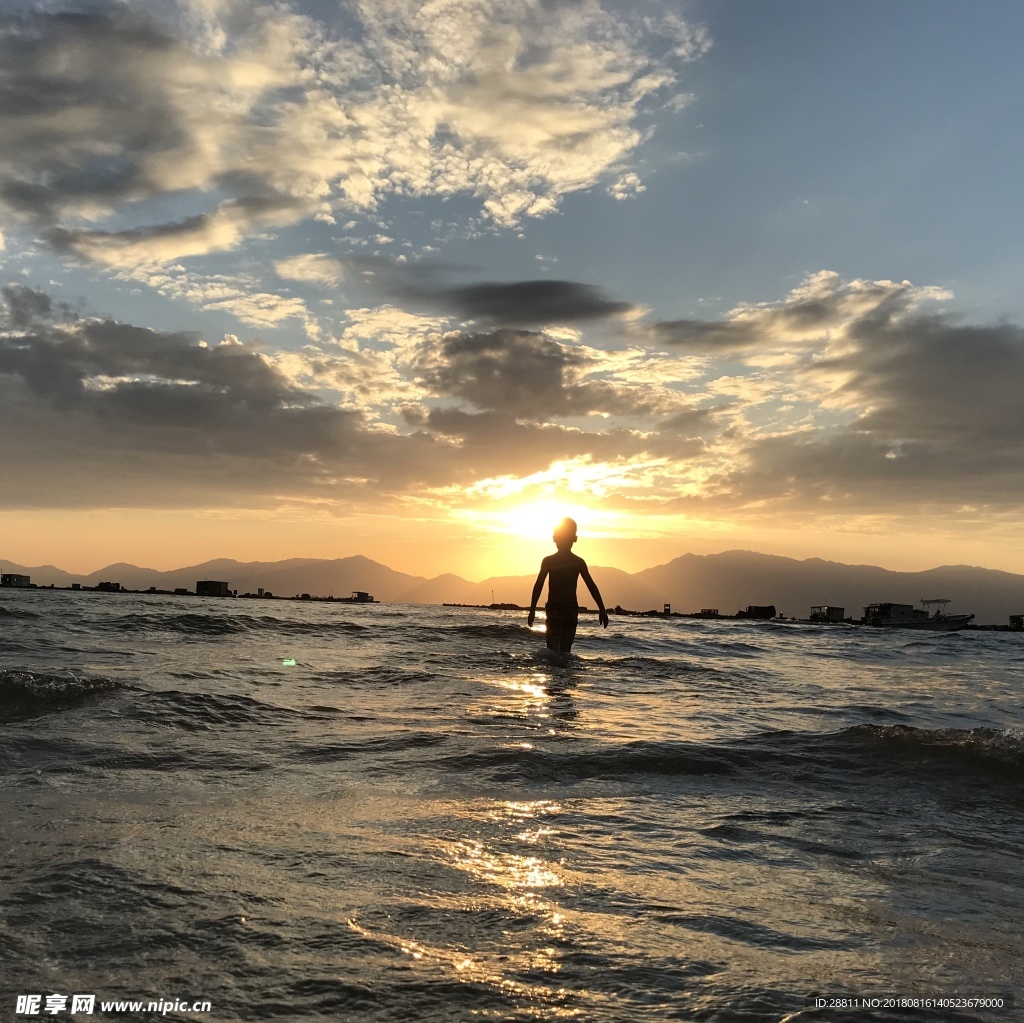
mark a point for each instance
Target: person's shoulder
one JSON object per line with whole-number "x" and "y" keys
{"x": 579, "y": 562}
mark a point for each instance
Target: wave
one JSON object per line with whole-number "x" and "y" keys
{"x": 293, "y": 628}
{"x": 16, "y": 612}
{"x": 28, "y": 693}
{"x": 613, "y": 761}
{"x": 188, "y": 624}
{"x": 378, "y": 746}
{"x": 497, "y": 630}
{"x": 736, "y": 647}
{"x": 990, "y": 750}
{"x": 895, "y": 751}
{"x": 191, "y": 623}
{"x": 200, "y": 712}
{"x": 377, "y": 675}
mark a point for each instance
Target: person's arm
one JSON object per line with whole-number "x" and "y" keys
{"x": 537, "y": 587}
{"x": 602, "y": 614}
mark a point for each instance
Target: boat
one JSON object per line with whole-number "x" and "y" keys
{"x": 906, "y": 616}
{"x": 358, "y": 597}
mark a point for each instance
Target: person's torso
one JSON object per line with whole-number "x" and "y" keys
{"x": 563, "y": 574}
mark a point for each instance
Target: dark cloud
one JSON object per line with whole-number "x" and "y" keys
{"x": 495, "y": 444}
{"x": 197, "y": 234}
{"x": 79, "y": 118}
{"x": 526, "y": 375}
{"x": 24, "y": 306}
{"x": 933, "y": 409}
{"x": 101, "y": 412}
{"x": 99, "y": 110}
{"x": 939, "y": 422}
{"x": 705, "y": 336}
{"x": 57, "y": 361}
{"x": 98, "y": 413}
{"x": 521, "y": 303}
{"x": 822, "y": 304}
{"x": 931, "y": 379}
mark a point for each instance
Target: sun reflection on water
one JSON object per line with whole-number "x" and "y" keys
{"x": 522, "y": 884}
{"x": 513, "y": 871}
{"x": 537, "y": 702}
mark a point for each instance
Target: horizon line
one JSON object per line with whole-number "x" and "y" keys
{"x": 347, "y": 557}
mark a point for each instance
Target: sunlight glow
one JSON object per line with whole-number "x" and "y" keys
{"x": 576, "y": 476}
{"x": 537, "y": 519}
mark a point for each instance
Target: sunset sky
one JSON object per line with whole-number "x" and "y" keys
{"x": 414, "y": 279}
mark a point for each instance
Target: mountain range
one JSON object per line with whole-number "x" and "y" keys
{"x": 726, "y": 581}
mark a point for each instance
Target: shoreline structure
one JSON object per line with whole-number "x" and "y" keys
{"x": 752, "y": 614}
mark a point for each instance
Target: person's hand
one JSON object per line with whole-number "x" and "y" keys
{"x": 602, "y": 617}
{"x": 529, "y": 618}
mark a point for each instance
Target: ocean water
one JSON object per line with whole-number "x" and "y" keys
{"x": 424, "y": 818}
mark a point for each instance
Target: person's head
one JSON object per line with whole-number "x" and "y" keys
{"x": 565, "y": 534}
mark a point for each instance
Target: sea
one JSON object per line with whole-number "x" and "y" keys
{"x": 286, "y": 810}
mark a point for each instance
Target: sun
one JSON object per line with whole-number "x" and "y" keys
{"x": 536, "y": 520}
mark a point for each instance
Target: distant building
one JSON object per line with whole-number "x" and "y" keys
{"x": 109, "y": 587}
{"x": 668, "y": 609}
{"x": 180, "y": 591}
{"x": 212, "y": 588}
{"x": 21, "y": 582}
{"x": 760, "y": 611}
{"x": 827, "y": 613}
{"x": 709, "y": 611}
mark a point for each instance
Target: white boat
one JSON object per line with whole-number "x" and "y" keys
{"x": 906, "y": 616}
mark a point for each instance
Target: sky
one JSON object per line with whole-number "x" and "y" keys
{"x": 415, "y": 279}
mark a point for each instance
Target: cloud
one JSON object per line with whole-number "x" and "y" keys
{"x": 906, "y": 408}
{"x": 494, "y": 444}
{"x": 224, "y": 228}
{"x": 821, "y": 305}
{"x": 238, "y": 294}
{"x": 712, "y": 337}
{"x": 25, "y": 306}
{"x": 626, "y": 186}
{"x": 520, "y": 303}
{"x": 103, "y": 110}
{"x": 688, "y": 41}
{"x": 846, "y": 398}
{"x": 56, "y": 360}
{"x": 526, "y": 375}
{"x": 312, "y": 267}
{"x": 97, "y": 412}
{"x": 249, "y": 117}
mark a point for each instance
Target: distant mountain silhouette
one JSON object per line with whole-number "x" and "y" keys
{"x": 283, "y": 578}
{"x": 728, "y": 581}
{"x": 733, "y": 579}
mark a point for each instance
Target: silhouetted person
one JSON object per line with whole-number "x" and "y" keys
{"x": 564, "y": 568}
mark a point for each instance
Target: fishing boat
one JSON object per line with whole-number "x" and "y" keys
{"x": 906, "y": 616}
